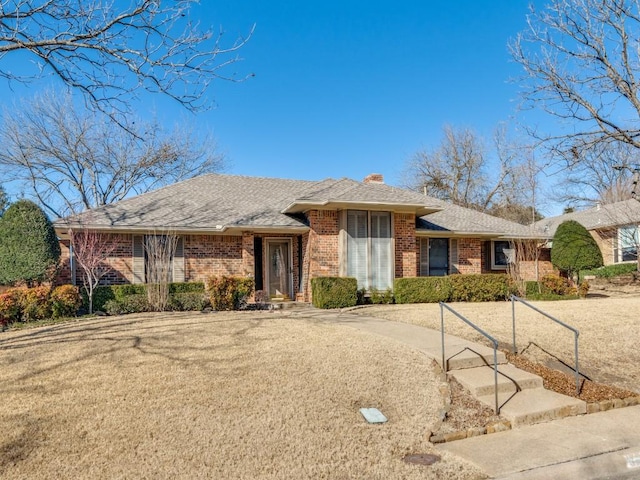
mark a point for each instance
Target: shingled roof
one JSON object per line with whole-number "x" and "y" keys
{"x": 454, "y": 220}
{"x": 218, "y": 203}
{"x": 602, "y": 216}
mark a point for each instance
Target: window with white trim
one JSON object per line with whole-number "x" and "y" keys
{"x": 369, "y": 249}
{"x": 499, "y": 257}
{"x": 628, "y": 241}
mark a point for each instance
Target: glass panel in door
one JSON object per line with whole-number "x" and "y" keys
{"x": 438, "y": 257}
{"x": 279, "y": 270}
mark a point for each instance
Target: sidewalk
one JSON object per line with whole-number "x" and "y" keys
{"x": 603, "y": 445}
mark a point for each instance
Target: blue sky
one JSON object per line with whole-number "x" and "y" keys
{"x": 347, "y": 88}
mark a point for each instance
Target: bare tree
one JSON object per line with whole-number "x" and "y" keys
{"x": 4, "y": 200}
{"x": 71, "y": 159}
{"x": 581, "y": 60}
{"x": 107, "y": 49}
{"x": 601, "y": 176}
{"x": 159, "y": 252}
{"x": 458, "y": 171}
{"x": 91, "y": 250}
{"x": 523, "y": 252}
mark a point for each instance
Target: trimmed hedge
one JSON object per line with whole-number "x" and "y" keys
{"x": 490, "y": 287}
{"x": 104, "y": 293}
{"x": 334, "y": 292}
{"x": 422, "y": 289}
{"x": 611, "y": 270}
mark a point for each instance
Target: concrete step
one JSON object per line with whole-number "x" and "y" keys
{"x": 480, "y": 381}
{"x": 535, "y": 405}
{"x": 470, "y": 355}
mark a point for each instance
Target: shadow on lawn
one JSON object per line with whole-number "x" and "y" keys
{"x": 176, "y": 341}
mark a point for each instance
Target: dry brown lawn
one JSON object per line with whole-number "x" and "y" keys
{"x": 253, "y": 395}
{"x": 608, "y": 341}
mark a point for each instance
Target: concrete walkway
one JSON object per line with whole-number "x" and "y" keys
{"x": 603, "y": 445}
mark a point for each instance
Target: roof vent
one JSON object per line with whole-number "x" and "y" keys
{"x": 373, "y": 178}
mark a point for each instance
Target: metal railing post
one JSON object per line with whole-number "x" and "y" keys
{"x": 482, "y": 332}
{"x": 444, "y": 367}
{"x": 513, "y": 323}
{"x": 575, "y": 331}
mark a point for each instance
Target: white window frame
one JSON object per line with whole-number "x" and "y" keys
{"x": 495, "y": 266}
{"x": 619, "y": 240}
{"x": 369, "y": 249}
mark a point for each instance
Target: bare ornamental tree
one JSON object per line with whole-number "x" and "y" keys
{"x": 159, "y": 250}
{"x": 108, "y": 50}
{"x": 72, "y": 160}
{"x": 91, "y": 250}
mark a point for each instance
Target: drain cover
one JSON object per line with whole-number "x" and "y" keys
{"x": 373, "y": 415}
{"x": 422, "y": 458}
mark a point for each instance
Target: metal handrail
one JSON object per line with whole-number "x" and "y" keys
{"x": 482, "y": 332}
{"x": 576, "y": 332}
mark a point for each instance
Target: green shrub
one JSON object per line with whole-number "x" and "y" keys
{"x": 532, "y": 287}
{"x": 574, "y": 249}
{"x": 188, "y": 301}
{"x": 65, "y": 301}
{"x": 422, "y": 289}
{"x": 186, "y": 287}
{"x": 334, "y": 292}
{"x": 35, "y": 304}
{"x": 551, "y": 296}
{"x": 611, "y": 270}
{"x": 490, "y": 287}
{"x": 553, "y": 284}
{"x": 29, "y": 248}
{"x": 104, "y": 293}
{"x": 381, "y": 297}
{"x": 229, "y": 293}
{"x": 128, "y": 304}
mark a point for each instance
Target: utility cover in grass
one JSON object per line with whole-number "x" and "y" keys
{"x": 373, "y": 415}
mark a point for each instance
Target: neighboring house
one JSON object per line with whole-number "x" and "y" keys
{"x": 283, "y": 233}
{"x": 614, "y": 226}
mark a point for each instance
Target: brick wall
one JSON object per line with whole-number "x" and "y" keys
{"x": 64, "y": 269}
{"x": 321, "y": 249}
{"x": 606, "y": 240}
{"x": 544, "y": 266}
{"x": 206, "y": 255}
{"x": 470, "y": 255}
{"x": 407, "y": 249}
{"x": 119, "y": 263}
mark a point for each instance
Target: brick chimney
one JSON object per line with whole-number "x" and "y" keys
{"x": 373, "y": 178}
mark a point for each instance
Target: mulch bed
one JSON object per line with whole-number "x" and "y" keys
{"x": 565, "y": 384}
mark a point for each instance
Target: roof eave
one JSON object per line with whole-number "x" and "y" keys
{"x": 305, "y": 206}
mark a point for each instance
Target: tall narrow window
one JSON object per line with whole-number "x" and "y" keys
{"x": 369, "y": 249}
{"x": 357, "y": 231}
{"x": 628, "y": 241}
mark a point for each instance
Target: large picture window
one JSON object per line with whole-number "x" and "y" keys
{"x": 369, "y": 249}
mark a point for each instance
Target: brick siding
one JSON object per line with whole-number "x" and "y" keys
{"x": 321, "y": 248}
{"x": 404, "y": 232}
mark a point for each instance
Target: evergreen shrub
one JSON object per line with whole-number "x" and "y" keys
{"x": 334, "y": 292}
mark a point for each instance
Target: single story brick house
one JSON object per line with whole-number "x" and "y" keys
{"x": 615, "y": 228}
{"x": 285, "y": 232}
